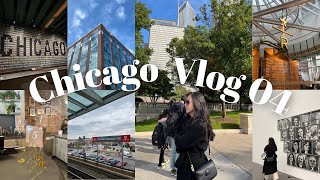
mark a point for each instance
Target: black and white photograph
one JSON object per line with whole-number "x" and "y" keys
{"x": 300, "y": 131}
{"x": 308, "y": 133}
{"x": 296, "y": 146}
{"x": 305, "y": 119}
{"x": 316, "y": 148}
{"x": 301, "y": 161}
{"x": 284, "y": 135}
{"x": 291, "y": 133}
{"x": 291, "y": 160}
{"x": 295, "y": 121}
{"x": 315, "y": 122}
{"x": 285, "y": 123}
{"x": 306, "y": 147}
{"x": 312, "y": 163}
{"x": 314, "y": 132}
{"x": 315, "y": 115}
{"x": 280, "y": 125}
{"x": 287, "y": 146}
{"x": 315, "y": 118}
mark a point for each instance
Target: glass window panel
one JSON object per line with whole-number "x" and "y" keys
{"x": 107, "y": 54}
{"x": 116, "y": 59}
{"x": 70, "y": 54}
{"x": 103, "y": 93}
{"x": 84, "y": 55}
{"x": 93, "y": 63}
{"x": 81, "y": 99}
{"x": 75, "y": 59}
{"x": 73, "y": 107}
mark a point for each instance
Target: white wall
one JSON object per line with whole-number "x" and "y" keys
{"x": 265, "y": 126}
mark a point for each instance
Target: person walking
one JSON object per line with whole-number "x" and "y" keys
{"x": 162, "y": 119}
{"x": 270, "y": 161}
{"x": 177, "y": 113}
{"x": 193, "y": 140}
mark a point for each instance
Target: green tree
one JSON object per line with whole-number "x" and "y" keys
{"x": 180, "y": 91}
{"x": 143, "y": 21}
{"x": 159, "y": 88}
{"x": 223, "y": 39}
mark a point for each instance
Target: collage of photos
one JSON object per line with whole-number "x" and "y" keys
{"x": 165, "y": 89}
{"x": 301, "y": 135}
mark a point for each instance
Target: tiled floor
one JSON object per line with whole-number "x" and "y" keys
{"x": 62, "y": 166}
{"x": 21, "y": 166}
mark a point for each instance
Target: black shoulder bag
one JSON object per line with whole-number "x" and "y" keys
{"x": 269, "y": 159}
{"x": 206, "y": 171}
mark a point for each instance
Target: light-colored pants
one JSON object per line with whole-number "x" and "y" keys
{"x": 174, "y": 155}
{"x": 275, "y": 176}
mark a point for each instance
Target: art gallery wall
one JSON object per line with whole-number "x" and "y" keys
{"x": 265, "y": 126}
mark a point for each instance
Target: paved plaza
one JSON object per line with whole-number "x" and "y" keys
{"x": 232, "y": 154}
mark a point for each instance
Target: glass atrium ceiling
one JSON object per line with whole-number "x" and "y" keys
{"x": 302, "y": 18}
{"x": 84, "y": 101}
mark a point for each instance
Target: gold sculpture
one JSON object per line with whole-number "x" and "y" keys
{"x": 283, "y": 40}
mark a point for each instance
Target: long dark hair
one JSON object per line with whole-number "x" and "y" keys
{"x": 201, "y": 112}
{"x": 272, "y": 144}
{"x": 288, "y": 160}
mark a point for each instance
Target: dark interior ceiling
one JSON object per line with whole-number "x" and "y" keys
{"x": 47, "y": 15}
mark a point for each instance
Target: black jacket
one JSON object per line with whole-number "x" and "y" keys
{"x": 176, "y": 119}
{"x": 194, "y": 140}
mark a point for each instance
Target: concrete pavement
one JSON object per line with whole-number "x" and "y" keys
{"x": 232, "y": 154}
{"x": 238, "y": 149}
{"x": 147, "y": 157}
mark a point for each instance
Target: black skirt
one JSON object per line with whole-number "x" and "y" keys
{"x": 269, "y": 167}
{"x": 184, "y": 172}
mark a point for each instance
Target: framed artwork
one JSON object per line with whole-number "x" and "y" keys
{"x": 40, "y": 111}
{"x": 302, "y": 140}
{"x": 48, "y": 111}
{"x": 32, "y": 111}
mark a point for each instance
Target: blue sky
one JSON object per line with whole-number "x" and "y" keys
{"x": 116, "y": 118}
{"x": 116, "y": 15}
{"x": 168, "y": 9}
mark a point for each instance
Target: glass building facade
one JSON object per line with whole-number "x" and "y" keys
{"x": 96, "y": 50}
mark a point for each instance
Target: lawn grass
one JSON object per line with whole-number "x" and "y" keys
{"x": 233, "y": 122}
{"x": 146, "y": 125}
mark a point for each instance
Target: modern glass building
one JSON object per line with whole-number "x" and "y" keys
{"x": 96, "y": 50}
{"x": 160, "y": 35}
{"x": 163, "y": 31}
{"x": 186, "y": 15}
